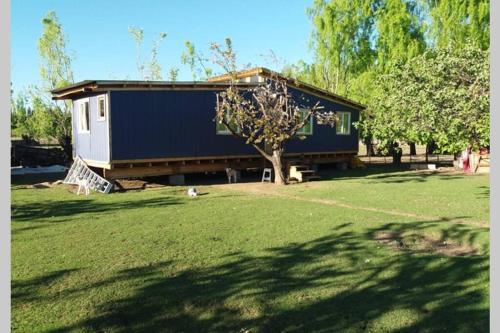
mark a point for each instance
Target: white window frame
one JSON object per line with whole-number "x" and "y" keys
{"x": 81, "y": 103}
{"x": 226, "y": 130}
{"x": 301, "y": 131}
{"x": 99, "y": 98}
{"x": 341, "y": 121}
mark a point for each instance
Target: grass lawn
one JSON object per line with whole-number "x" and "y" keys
{"x": 362, "y": 251}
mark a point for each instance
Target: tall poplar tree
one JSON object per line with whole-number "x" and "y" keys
{"x": 400, "y": 33}
{"x": 55, "y": 71}
{"x": 343, "y": 30}
{"x": 459, "y": 23}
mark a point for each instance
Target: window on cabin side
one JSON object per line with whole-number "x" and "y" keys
{"x": 344, "y": 123}
{"x": 308, "y": 127}
{"x": 84, "y": 117}
{"x": 101, "y": 108}
{"x": 222, "y": 129}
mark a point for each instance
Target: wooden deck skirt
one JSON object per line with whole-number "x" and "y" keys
{"x": 171, "y": 166}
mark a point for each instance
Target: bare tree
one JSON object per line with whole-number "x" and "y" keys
{"x": 266, "y": 116}
{"x": 148, "y": 70}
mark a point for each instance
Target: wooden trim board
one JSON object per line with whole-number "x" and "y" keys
{"x": 169, "y": 159}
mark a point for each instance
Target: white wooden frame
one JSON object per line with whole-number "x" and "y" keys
{"x": 80, "y": 104}
{"x": 300, "y": 131}
{"x": 341, "y": 121}
{"x": 226, "y": 131}
{"x": 103, "y": 98}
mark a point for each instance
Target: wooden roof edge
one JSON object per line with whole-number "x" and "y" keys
{"x": 295, "y": 82}
{"x": 216, "y": 81}
{"x": 102, "y": 85}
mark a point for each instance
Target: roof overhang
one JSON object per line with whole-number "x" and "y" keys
{"x": 260, "y": 71}
{"x": 220, "y": 82}
{"x": 74, "y": 90}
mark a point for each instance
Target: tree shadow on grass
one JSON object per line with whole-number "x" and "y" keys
{"x": 33, "y": 289}
{"x": 386, "y": 174}
{"x": 59, "y": 211}
{"x": 323, "y": 285}
{"x": 484, "y": 192}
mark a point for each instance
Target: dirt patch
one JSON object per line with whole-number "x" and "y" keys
{"x": 134, "y": 184}
{"x": 423, "y": 244}
{"x": 264, "y": 188}
{"x": 43, "y": 185}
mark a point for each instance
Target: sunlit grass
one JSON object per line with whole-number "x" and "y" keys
{"x": 229, "y": 261}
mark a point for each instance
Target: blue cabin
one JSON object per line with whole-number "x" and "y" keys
{"x": 147, "y": 128}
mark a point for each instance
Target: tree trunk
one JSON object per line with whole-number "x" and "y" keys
{"x": 277, "y": 161}
{"x": 369, "y": 147}
{"x": 413, "y": 149}
{"x": 396, "y": 153}
{"x": 430, "y": 147}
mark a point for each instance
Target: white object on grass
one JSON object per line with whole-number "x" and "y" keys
{"x": 83, "y": 183}
{"x": 231, "y": 174}
{"x": 192, "y": 192}
{"x": 266, "y": 175}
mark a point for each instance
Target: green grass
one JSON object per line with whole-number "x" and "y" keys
{"x": 229, "y": 261}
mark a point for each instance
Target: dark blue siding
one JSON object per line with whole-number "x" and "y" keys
{"x": 156, "y": 124}
{"x": 324, "y": 138}
{"x": 170, "y": 123}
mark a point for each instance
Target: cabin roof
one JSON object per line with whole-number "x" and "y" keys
{"x": 291, "y": 81}
{"x": 70, "y": 91}
{"x": 217, "y": 82}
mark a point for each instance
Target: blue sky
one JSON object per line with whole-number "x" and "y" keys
{"x": 98, "y": 33}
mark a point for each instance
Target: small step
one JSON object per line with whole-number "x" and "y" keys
{"x": 299, "y": 167}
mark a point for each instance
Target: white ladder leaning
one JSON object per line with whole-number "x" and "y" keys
{"x": 80, "y": 171}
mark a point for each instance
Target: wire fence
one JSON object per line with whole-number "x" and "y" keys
{"x": 410, "y": 159}
{"x": 406, "y": 158}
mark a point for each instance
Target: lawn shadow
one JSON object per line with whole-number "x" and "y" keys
{"x": 386, "y": 174}
{"x": 59, "y": 211}
{"x": 329, "y": 281}
{"x": 484, "y": 192}
{"x": 34, "y": 289}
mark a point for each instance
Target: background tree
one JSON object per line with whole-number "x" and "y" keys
{"x": 52, "y": 119}
{"x": 196, "y": 61}
{"x": 354, "y": 42}
{"x": 444, "y": 100}
{"x": 341, "y": 42}
{"x": 266, "y": 116}
{"x": 173, "y": 73}
{"x": 20, "y": 114}
{"x": 459, "y": 23}
{"x": 149, "y": 69}
{"x": 362, "y": 41}
{"x": 400, "y": 33}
